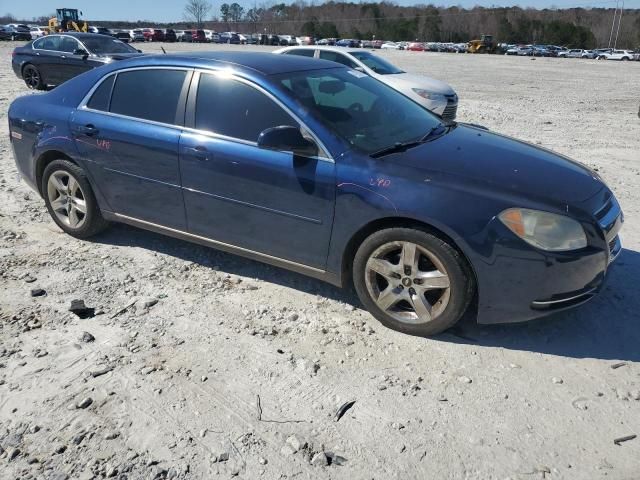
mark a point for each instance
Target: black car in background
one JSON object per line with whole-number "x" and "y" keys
{"x": 170, "y": 35}
{"x": 54, "y": 59}
{"x": 21, "y": 32}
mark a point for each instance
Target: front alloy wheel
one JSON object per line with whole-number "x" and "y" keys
{"x": 412, "y": 280}
{"x": 407, "y": 282}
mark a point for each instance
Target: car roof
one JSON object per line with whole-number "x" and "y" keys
{"x": 263, "y": 63}
{"x": 82, "y": 35}
{"x": 323, "y": 47}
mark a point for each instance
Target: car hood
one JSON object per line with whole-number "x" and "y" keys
{"x": 503, "y": 163}
{"x": 409, "y": 81}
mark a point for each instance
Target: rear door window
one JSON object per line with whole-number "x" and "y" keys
{"x": 150, "y": 94}
{"x": 237, "y": 110}
{"x": 50, "y": 42}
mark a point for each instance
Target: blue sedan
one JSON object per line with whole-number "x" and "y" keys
{"x": 311, "y": 166}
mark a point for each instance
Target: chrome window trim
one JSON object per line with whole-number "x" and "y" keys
{"x": 198, "y": 71}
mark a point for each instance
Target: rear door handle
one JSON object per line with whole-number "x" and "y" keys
{"x": 89, "y": 130}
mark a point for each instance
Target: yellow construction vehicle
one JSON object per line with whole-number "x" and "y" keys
{"x": 67, "y": 20}
{"x": 484, "y": 45}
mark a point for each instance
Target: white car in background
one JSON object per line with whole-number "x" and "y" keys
{"x": 37, "y": 32}
{"x": 390, "y": 46}
{"x": 617, "y": 55}
{"x": 434, "y": 95}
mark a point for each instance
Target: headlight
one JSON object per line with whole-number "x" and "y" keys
{"x": 436, "y": 97}
{"x": 544, "y": 230}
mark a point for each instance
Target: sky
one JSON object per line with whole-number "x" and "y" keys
{"x": 172, "y": 10}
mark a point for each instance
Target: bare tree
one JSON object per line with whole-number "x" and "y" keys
{"x": 197, "y": 10}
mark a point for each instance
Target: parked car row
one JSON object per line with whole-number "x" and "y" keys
{"x": 563, "y": 52}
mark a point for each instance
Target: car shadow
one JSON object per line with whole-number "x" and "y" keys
{"x": 607, "y": 327}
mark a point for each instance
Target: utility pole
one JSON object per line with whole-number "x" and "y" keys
{"x": 613, "y": 24}
{"x": 615, "y": 45}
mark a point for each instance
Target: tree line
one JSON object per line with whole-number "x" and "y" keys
{"x": 571, "y": 27}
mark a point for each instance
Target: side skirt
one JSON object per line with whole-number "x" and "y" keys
{"x": 313, "y": 272}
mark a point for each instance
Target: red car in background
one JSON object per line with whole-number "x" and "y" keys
{"x": 199, "y": 36}
{"x": 158, "y": 35}
{"x": 148, "y": 34}
{"x": 416, "y": 47}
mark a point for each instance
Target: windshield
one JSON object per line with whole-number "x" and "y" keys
{"x": 377, "y": 64}
{"x": 361, "y": 110}
{"x": 102, "y": 46}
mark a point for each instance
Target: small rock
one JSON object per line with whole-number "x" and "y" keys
{"x": 111, "y": 435}
{"x": 13, "y": 453}
{"x": 147, "y": 302}
{"x": 557, "y": 380}
{"x": 287, "y": 450}
{"x": 223, "y": 457}
{"x": 34, "y": 429}
{"x": 81, "y": 310}
{"x": 38, "y": 292}
{"x": 30, "y": 279}
{"x": 319, "y": 460}
{"x": 262, "y": 461}
{"x": 464, "y": 379}
{"x": 86, "y": 337}
{"x": 296, "y": 443}
{"x": 204, "y": 378}
{"x": 85, "y": 402}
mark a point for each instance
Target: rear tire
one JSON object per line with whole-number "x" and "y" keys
{"x": 70, "y": 199}
{"x": 412, "y": 281}
{"x": 32, "y": 78}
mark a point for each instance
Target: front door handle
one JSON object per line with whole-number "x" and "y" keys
{"x": 88, "y": 130}
{"x": 199, "y": 152}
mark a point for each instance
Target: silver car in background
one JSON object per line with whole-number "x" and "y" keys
{"x": 435, "y": 95}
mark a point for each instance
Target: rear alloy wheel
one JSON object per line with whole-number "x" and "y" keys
{"x": 412, "y": 281}
{"x": 70, "y": 200}
{"x": 32, "y": 78}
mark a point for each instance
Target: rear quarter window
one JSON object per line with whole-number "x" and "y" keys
{"x": 101, "y": 97}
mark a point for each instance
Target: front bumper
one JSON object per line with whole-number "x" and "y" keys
{"x": 517, "y": 282}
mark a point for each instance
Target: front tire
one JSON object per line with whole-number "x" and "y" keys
{"x": 70, "y": 199}
{"x": 412, "y": 281}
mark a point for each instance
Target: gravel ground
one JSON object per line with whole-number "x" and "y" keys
{"x": 200, "y": 364}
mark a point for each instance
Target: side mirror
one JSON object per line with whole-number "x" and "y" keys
{"x": 81, "y": 51}
{"x": 288, "y": 139}
{"x": 359, "y": 69}
{"x": 139, "y": 51}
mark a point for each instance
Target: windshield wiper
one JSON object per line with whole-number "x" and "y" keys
{"x": 404, "y": 146}
{"x": 395, "y": 148}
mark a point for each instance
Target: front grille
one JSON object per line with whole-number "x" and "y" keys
{"x": 610, "y": 217}
{"x": 449, "y": 113}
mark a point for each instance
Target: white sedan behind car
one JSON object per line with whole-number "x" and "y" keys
{"x": 433, "y": 94}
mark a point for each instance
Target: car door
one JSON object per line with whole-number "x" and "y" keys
{"x": 71, "y": 64}
{"x": 128, "y": 133}
{"x": 265, "y": 201}
{"x": 46, "y": 51}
